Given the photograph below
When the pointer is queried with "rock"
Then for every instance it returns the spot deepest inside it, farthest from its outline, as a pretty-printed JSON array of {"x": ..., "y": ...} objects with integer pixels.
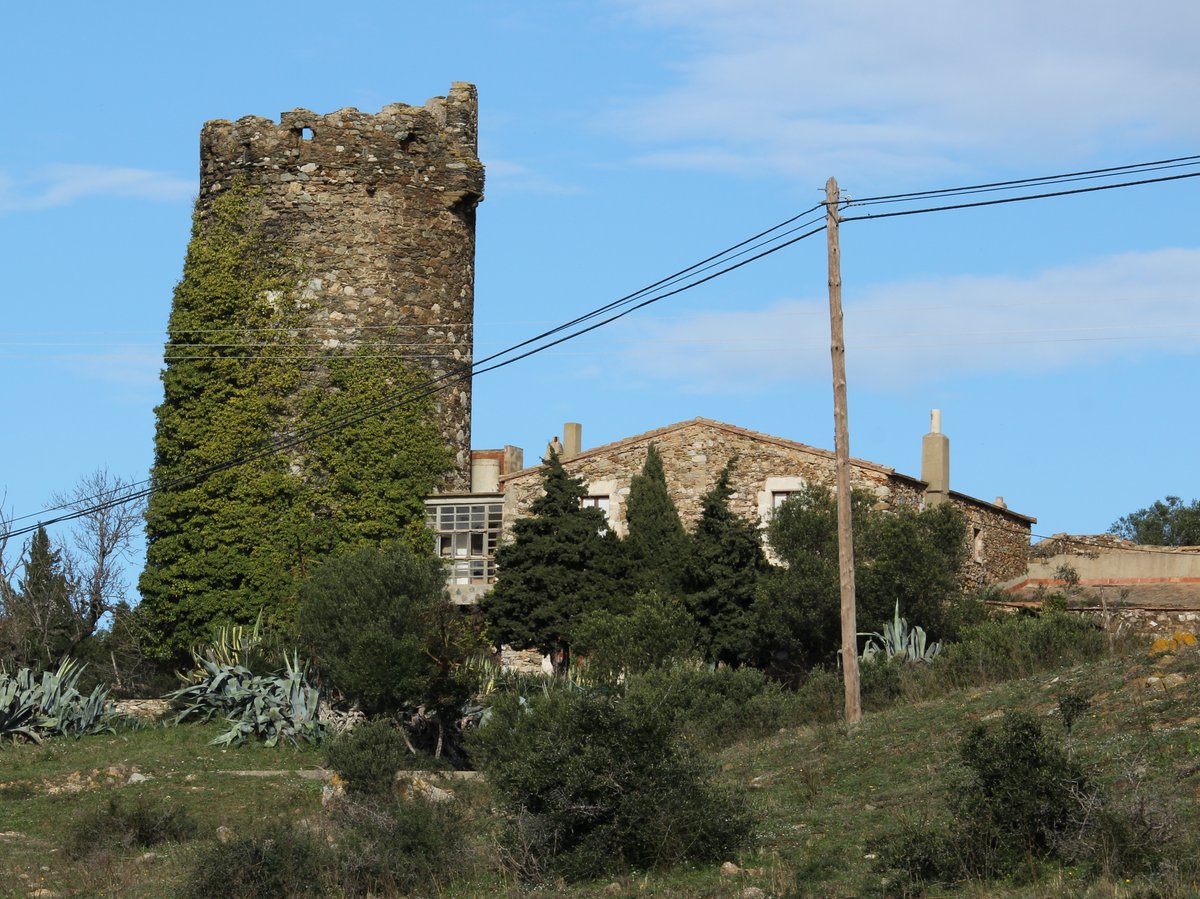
[
  {"x": 224, "y": 834},
  {"x": 612, "y": 889},
  {"x": 409, "y": 785},
  {"x": 146, "y": 858},
  {"x": 729, "y": 869},
  {"x": 43, "y": 893},
  {"x": 752, "y": 893},
  {"x": 331, "y": 793},
  {"x": 136, "y": 778},
  {"x": 1165, "y": 683}
]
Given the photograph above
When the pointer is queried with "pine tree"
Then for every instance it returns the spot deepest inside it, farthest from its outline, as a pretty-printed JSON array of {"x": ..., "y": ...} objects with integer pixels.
[
  {"x": 721, "y": 576},
  {"x": 656, "y": 543},
  {"x": 563, "y": 562}
]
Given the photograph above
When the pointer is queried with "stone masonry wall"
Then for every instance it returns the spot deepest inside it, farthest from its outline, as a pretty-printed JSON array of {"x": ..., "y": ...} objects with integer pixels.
[
  {"x": 998, "y": 544},
  {"x": 693, "y": 458},
  {"x": 694, "y": 454},
  {"x": 380, "y": 211}
]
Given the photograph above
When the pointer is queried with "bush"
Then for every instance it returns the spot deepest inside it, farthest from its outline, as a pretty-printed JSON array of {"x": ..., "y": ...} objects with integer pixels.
[
  {"x": 123, "y": 824},
  {"x": 395, "y": 847},
  {"x": 1019, "y": 799},
  {"x": 1020, "y": 787},
  {"x": 595, "y": 784},
  {"x": 278, "y": 861},
  {"x": 719, "y": 705},
  {"x": 368, "y": 757},
  {"x": 656, "y": 633},
  {"x": 365, "y": 615},
  {"x": 1014, "y": 646}
]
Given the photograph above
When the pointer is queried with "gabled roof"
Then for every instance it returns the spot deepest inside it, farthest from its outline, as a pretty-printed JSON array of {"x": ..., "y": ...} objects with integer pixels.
[
  {"x": 759, "y": 436},
  {"x": 650, "y": 436}
]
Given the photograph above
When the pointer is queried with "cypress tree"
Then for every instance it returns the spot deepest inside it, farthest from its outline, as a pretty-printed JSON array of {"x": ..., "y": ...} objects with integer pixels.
[
  {"x": 43, "y": 614},
  {"x": 656, "y": 543},
  {"x": 721, "y": 576},
  {"x": 561, "y": 563}
]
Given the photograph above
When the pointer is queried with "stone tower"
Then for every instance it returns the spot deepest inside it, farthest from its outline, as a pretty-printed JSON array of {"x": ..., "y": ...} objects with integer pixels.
[{"x": 380, "y": 211}]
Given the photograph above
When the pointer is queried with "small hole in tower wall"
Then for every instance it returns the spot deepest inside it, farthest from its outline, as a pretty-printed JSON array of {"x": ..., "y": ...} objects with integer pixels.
[{"x": 303, "y": 133}]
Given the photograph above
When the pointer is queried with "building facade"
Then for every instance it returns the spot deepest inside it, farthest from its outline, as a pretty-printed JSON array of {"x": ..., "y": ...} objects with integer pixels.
[{"x": 768, "y": 470}]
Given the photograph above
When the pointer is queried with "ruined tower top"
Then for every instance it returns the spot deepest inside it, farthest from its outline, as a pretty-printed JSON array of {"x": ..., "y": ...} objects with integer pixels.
[
  {"x": 432, "y": 146},
  {"x": 379, "y": 209}
]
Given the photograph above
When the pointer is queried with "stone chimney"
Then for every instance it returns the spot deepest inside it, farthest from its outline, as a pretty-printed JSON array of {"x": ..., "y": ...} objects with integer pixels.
[
  {"x": 935, "y": 461},
  {"x": 572, "y": 439}
]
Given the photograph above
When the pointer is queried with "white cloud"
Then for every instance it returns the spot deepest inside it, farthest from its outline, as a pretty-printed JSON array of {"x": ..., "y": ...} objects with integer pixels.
[
  {"x": 805, "y": 87},
  {"x": 62, "y": 185},
  {"x": 916, "y": 331},
  {"x": 506, "y": 175}
]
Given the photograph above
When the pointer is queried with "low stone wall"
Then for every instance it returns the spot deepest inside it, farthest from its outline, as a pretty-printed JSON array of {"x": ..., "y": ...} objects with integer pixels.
[{"x": 1105, "y": 559}]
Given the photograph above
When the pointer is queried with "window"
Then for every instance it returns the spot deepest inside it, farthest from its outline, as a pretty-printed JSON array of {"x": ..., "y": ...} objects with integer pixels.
[
  {"x": 465, "y": 535},
  {"x": 977, "y": 544},
  {"x": 779, "y": 496},
  {"x": 596, "y": 502}
]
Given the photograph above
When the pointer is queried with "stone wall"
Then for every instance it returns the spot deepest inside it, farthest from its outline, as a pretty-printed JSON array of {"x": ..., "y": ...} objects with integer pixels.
[
  {"x": 1106, "y": 559},
  {"x": 695, "y": 452},
  {"x": 380, "y": 211},
  {"x": 997, "y": 543}
]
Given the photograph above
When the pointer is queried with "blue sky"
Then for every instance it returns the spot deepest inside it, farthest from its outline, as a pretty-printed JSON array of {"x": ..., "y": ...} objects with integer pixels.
[{"x": 625, "y": 139}]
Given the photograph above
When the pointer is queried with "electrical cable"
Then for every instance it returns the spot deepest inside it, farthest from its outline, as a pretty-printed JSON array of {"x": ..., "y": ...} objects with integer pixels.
[{"x": 437, "y": 383}]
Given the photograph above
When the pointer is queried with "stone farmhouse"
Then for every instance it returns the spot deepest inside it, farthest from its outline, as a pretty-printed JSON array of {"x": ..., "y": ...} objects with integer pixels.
[{"x": 468, "y": 527}]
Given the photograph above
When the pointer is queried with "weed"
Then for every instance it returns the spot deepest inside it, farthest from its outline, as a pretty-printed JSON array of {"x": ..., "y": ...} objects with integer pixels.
[
  {"x": 389, "y": 847},
  {"x": 277, "y": 861},
  {"x": 123, "y": 824}
]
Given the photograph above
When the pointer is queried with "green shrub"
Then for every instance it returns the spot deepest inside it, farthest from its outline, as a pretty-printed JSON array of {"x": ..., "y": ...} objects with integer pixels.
[
  {"x": 595, "y": 784},
  {"x": 369, "y": 756},
  {"x": 719, "y": 705},
  {"x": 1018, "y": 800},
  {"x": 278, "y": 861},
  {"x": 394, "y": 847},
  {"x": 1021, "y": 785},
  {"x": 1014, "y": 646},
  {"x": 365, "y": 616},
  {"x": 656, "y": 633},
  {"x": 122, "y": 824}
]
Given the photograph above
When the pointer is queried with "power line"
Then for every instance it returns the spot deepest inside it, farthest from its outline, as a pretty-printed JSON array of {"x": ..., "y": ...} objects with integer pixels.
[
  {"x": 632, "y": 302},
  {"x": 1111, "y": 171},
  {"x": 997, "y": 202},
  {"x": 647, "y": 296}
]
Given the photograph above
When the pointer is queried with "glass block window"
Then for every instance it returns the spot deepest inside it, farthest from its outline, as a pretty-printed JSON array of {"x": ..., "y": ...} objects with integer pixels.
[{"x": 465, "y": 533}]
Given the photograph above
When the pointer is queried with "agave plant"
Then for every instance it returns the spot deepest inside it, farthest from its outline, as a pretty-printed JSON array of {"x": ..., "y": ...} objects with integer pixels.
[
  {"x": 232, "y": 645},
  {"x": 33, "y": 708},
  {"x": 898, "y": 640},
  {"x": 273, "y": 707}
]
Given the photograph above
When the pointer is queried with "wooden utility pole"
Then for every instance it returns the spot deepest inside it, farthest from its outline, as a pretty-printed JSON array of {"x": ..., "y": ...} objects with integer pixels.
[{"x": 842, "y": 452}]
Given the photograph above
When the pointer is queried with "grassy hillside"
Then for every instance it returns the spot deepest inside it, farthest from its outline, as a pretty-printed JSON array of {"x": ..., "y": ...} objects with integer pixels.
[{"x": 826, "y": 797}]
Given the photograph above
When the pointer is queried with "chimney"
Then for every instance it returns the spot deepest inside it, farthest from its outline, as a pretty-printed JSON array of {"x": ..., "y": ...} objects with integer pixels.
[
  {"x": 485, "y": 474},
  {"x": 572, "y": 439},
  {"x": 935, "y": 461}
]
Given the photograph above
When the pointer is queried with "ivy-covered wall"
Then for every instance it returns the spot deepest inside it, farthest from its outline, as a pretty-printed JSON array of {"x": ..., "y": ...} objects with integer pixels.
[{"x": 241, "y": 374}]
